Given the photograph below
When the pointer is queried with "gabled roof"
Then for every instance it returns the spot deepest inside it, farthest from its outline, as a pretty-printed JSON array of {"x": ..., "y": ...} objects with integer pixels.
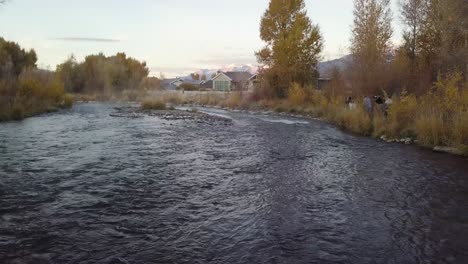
[
  {"x": 253, "y": 77},
  {"x": 221, "y": 73},
  {"x": 238, "y": 76}
]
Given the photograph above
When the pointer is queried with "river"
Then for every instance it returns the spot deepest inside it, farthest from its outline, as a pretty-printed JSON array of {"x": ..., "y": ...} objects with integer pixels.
[{"x": 80, "y": 186}]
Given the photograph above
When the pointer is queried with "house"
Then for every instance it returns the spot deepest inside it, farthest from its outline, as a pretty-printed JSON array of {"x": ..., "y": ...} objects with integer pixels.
[
  {"x": 207, "y": 84},
  {"x": 253, "y": 82},
  {"x": 174, "y": 84},
  {"x": 170, "y": 84},
  {"x": 177, "y": 82},
  {"x": 229, "y": 81}
]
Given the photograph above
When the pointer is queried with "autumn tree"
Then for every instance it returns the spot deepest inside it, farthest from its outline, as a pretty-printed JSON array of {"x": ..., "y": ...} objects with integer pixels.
[
  {"x": 370, "y": 43},
  {"x": 414, "y": 16},
  {"x": 293, "y": 45},
  {"x": 436, "y": 36},
  {"x": 99, "y": 73},
  {"x": 195, "y": 76},
  {"x": 13, "y": 58},
  {"x": 449, "y": 18}
]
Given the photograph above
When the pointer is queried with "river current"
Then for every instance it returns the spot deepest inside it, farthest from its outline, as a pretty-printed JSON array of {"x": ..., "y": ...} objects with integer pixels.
[{"x": 80, "y": 186}]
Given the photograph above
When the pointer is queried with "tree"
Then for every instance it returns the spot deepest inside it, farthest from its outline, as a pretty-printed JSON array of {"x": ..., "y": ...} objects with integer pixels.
[
  {"x": 195, "y": 76},
  {"x": 444, "y": 37},
  {"x": 293, "y": 45},
  {"x": 370, "y": 43},
  {"x": 13, "y": 58},
  {"x": 413, "y": 14},
  {"x": 71, "y": 75},
  {"x": 99, "y": 73}
]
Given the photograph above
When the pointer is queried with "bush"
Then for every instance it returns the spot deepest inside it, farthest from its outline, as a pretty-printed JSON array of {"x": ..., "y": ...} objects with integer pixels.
[
  {"x": 443, "y": 115},
  {"x": 153, "y": 104},
  {"x": 296, "y": 95},
  {"x": 430, "y": 129},
  {"x": 460, "y": 130},
  {"x": 355, "y": 120},
  {"x": 401, "y": 114}
]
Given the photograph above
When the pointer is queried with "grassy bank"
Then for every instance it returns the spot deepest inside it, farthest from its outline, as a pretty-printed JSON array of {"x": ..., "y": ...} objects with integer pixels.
[{"x": 439, "y": 118}]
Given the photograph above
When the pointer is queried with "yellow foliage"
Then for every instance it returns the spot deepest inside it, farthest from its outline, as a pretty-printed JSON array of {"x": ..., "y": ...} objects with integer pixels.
[
  {"x": 296, "y": 95},
  {"x": 430, "y": 129},
  {"x": 355, "y": 120},
  {"x": 401, "y": 116}
]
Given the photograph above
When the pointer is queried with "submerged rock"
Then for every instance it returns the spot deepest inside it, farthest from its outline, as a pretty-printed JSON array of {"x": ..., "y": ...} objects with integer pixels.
[{"x": 171, "y": 115}]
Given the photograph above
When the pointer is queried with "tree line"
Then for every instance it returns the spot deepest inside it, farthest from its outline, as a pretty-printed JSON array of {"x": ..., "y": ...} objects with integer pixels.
[
  {"x": 420, "y": 86},
  {"x": 435, "y": 41},
  {"x": 26, "y": 90},
  {"x": 102, "y": 74}
]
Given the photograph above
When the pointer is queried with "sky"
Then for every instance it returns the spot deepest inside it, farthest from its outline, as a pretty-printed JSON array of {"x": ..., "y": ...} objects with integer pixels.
[{"x": 174, "y": 37}]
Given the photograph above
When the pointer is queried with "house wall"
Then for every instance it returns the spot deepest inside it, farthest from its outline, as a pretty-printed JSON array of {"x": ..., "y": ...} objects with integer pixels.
[{"x": 217, "y": 83}]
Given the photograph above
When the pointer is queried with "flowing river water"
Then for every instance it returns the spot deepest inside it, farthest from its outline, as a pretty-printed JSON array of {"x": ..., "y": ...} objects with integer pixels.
[{"x": 80, "y": 186}]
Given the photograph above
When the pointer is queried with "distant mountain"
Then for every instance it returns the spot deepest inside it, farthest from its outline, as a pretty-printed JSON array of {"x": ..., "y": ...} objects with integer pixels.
[
  {"x": 227, "y": 68},
  {"x": 325, "y": 68}
]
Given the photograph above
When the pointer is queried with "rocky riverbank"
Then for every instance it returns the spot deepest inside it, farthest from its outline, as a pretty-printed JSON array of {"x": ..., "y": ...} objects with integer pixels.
[{"x": 170, "y": 115}]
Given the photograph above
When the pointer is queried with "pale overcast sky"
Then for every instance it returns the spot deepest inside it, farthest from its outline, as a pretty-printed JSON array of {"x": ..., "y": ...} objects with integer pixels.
[{"x": 173, "y": 36}]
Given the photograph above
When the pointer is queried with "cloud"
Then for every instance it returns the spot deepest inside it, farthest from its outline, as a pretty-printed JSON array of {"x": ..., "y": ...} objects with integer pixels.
[{"x": 81, "y": 39}]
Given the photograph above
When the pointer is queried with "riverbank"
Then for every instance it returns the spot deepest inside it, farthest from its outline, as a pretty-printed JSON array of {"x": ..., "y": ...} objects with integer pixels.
[{"x": 428, "y": 121}]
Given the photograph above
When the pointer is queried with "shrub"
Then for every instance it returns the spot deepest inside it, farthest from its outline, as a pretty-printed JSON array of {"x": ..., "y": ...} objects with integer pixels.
[
  {"x": 379, "y": 125},
  {"x": 429, "y": 128},
  {"x": 460, "y": 129},
  {"x": 153, "y": 104},
  {"x": 355, "y": 120},
  {"x": 296, "y": 95},
  {"x": 400, "y": 121}
]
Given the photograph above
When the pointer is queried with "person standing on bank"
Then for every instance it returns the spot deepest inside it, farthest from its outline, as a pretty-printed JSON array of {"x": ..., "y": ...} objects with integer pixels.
[{"x": 368, "y": 104}]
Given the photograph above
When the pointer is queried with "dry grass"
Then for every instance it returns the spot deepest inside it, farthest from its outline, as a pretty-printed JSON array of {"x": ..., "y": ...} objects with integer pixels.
[{"x": 153, "y": 104}]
